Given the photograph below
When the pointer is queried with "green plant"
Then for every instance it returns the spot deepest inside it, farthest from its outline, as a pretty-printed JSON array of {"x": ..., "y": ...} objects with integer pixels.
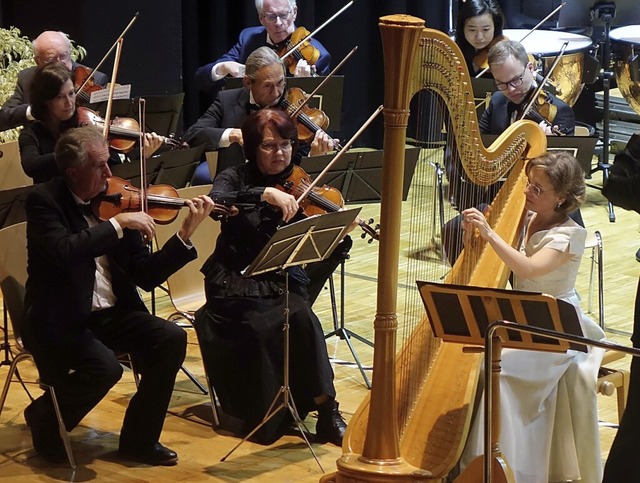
[{"x": 16, "y": 54}]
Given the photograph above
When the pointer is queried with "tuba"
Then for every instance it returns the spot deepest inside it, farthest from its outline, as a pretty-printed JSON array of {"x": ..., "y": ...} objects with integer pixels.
[{"x": 413, "y": 425}]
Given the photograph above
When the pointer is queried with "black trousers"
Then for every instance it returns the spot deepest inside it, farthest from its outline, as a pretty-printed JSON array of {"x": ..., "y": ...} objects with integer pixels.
[
  {"x": 622, "y": 466},
  {"x": 83, "y": 370}
]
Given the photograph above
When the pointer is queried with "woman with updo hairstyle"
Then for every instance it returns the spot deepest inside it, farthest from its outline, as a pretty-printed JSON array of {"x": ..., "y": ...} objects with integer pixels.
[{"x": 549, "y": 411}]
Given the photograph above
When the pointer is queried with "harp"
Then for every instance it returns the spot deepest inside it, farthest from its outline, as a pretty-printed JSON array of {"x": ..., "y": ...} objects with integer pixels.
[{"x": 413, "y": 425}]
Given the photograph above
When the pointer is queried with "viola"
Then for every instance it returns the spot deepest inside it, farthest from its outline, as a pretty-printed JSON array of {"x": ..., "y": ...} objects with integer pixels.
[
  {"x": 163, "y": 202},
  {"x": 305, "y": 51},
  {"x": 480, "y": 61},
  {"x": 80, "y": 76},
  {"x": 309, "y": 120},
  {"x": 543, "y": 109},
  {"x": 123, "y": 131},
  {"x": 325, "y": 199}
]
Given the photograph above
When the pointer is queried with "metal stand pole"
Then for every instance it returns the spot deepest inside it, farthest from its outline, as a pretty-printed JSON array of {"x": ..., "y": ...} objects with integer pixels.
[
  {"x": 284, "y": 391},
  {"x": 339, "y": 328},
  {"x": 6, "y": 346}
]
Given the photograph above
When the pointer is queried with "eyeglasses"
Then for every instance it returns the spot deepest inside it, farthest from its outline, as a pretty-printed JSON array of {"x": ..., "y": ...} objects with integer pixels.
[
  {"x": 273, "y": 17},
  {"x": 515, "y": 82},
  {"x": 535, "y": 189},
  {"x": 58, "y": 58},
  {"x": 273, "y": 147}
]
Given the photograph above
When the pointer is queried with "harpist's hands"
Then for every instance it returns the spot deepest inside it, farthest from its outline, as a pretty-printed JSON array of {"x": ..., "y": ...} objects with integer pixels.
[
  {"x": 472, "y": 218},
  {"x": 284, "y": 201}
]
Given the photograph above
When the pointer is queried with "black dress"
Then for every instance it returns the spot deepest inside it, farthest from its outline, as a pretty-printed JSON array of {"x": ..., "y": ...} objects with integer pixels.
[{"x": 240, "y": 328}]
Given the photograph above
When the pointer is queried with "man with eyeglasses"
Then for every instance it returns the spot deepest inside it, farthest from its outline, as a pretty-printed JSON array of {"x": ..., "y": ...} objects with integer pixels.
[
  {"x": 515, "y": 80},
  {"x": 48, "y": 47},
  {"x": 278, "y": 23},
  {"x": 264, "y": 86}
]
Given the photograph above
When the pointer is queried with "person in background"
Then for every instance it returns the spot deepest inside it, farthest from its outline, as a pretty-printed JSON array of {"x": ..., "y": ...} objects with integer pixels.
[
  {"x": 549, "y": 411},
  {"x": 82, "y": 305},
  {"x": 240, "y": 327},
  {"x": 48, "y": 47},
  {"x": 278, "y": 23}
]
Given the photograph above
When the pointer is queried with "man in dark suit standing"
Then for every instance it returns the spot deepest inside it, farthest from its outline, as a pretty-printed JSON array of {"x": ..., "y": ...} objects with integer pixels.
[
  {"x": 48, "y": 47},
  {"x": 264, "y": 86},
  {"x": 278, "y": 23},
  {"x": 81, "y": 303}
]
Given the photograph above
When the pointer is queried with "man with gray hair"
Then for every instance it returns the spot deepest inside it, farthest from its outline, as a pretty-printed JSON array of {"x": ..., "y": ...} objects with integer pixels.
[
  {"x": 264, "y": 86},
  {"x": 48, "y": 47},
  {"x": 278, "y": 23}
]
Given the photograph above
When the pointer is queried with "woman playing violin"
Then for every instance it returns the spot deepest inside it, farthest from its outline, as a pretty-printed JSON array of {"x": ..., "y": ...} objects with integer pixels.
[
  {"x": 479, "y": 26},
  {"x": 53, "y": 104},
  {"x": 243, "y": 320}
]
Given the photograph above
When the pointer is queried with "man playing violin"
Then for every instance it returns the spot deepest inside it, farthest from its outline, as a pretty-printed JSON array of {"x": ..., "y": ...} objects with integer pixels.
[
  {"x": 240, "y": 329},
  {"x": 264, "y": 86},
  {"x": 82, "y": 305},
  {"x": 48, "y": 47},
  {"x": 278, "y": 23}
]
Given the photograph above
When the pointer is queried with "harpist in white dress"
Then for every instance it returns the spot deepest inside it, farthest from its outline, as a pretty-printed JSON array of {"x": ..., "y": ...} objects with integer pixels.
[{"x": 549, "y": 424}]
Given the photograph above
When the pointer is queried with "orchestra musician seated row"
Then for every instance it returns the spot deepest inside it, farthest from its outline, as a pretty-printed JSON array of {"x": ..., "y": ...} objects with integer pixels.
[
  {"x": 48, "y": 47},
  {"x": 278, "y": 23},
  {"x": 240, "y": 328},
  {"x": 53, "y": 105},
  {"x": 264, "y": 86}
]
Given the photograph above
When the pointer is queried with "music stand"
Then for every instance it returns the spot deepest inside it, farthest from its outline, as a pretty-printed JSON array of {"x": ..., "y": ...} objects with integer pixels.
[
  {"x": 307, "y": 241},
  {"x": 463, "y": 314}
]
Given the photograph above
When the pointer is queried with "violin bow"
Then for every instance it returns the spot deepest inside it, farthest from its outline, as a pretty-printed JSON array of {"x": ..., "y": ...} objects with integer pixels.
[
  {"x": 311, "y": 34},
  {"x": 112, "y": 86},
  {"x": 530, "y": 32},
  {"x": 544, "y": 81},
  {"x": 142, "y": 104},
  {"x": 337, "y": 156},
  {"x": 107, "y": 54},
  {"x": 324, "y": 81}
]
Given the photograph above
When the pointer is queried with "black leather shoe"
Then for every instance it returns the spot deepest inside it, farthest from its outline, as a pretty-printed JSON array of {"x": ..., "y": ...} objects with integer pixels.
[
  {"x": 45, "y": 435},
  {"x": 330, "y": 426},
  {"x": 155, "y": 455}
]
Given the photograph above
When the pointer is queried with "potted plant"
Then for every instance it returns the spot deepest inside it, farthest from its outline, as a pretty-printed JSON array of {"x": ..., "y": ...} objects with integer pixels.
[{"x": 16, "y": 54}]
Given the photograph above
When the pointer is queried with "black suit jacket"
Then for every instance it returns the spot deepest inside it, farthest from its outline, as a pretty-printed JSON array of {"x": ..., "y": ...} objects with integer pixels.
[
  {"x": 61, "y": 266},
  {"x": 496, "y": 118},
  {"x": 14, "y": 110}
]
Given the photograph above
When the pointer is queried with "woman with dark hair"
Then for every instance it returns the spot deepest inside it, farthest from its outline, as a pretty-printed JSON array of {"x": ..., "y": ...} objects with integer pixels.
[
  {"x": 549, "y": 416},
  {"x": 240, "y": 328},
  {"x": 480, "y": 22},
  {"x": 53, "y": 104}
]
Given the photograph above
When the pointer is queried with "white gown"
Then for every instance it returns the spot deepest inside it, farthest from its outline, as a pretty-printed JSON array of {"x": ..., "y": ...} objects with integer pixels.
[{"x": 548, "y": 401}]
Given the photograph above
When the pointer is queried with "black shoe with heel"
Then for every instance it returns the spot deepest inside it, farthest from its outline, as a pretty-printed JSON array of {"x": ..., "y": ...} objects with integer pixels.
[{"x": 330, "y": 426}]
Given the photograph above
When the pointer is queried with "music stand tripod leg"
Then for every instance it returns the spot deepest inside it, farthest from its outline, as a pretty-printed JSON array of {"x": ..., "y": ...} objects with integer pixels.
[
  {"x": 339, "y": 327},
  {"x": 6, "y": 346},
  {"x": 284, "y": 391}
]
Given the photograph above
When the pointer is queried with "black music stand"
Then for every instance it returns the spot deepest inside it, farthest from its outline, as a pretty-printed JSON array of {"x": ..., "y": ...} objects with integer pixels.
[
  {"x": 307, "y": 241},
  {"x": 464, "y": 314},
  {"x": 177, "y": 166}
]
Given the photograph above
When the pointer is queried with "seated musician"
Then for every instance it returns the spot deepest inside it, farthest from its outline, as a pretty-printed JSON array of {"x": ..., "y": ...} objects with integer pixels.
[
  {"x": 264, "y": 86},
  {"x": 549, "y": 420},
  {"x": 48, "y": 47},
  {"x": 81, "y": 303},
  {"x": 53, "y": 105},
  {"x": 278, "y": 23},
  {"x": 514, "y": 77},
  {"x": 240, "y": 327}
]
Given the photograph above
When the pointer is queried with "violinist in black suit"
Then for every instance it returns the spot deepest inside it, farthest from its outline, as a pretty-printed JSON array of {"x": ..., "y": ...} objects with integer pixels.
[
  {"x": 48, "y": 47},
  {"x": 264, "y": 86},
  {"x": 81, "y": 303}
]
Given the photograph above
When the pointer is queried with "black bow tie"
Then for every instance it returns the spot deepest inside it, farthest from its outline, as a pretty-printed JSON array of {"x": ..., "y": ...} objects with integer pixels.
[
  {"x": 85, "y": 209},
  {"x": 253, "y": 107}
]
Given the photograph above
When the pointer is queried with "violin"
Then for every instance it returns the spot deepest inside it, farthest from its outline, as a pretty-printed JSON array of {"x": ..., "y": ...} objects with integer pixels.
[
  {"x": 309, "y": 120},
  {"x": 80, "y": 76},
  {"x": 325, "y": 199},
  {"x": 481, "y": 59},
  {"x": 543, "y": 109},
  {"x": 163, "y": 202},
  {"x": 305, "y": 51},
  {"x": 123, "y": 131}
]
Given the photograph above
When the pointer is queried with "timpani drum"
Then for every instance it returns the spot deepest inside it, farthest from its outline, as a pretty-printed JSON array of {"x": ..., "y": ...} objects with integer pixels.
[
  {"x": 544, "y": 45},
  {"x": 625, "y": 45}
]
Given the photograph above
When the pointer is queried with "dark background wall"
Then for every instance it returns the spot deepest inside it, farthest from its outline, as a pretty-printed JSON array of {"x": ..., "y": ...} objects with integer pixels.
[{"x": 171, "y": 38}]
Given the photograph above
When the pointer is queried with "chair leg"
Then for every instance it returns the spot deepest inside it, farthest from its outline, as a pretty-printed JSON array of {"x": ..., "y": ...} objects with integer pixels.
[
  {"x": 13, "y": 369},
  {"x": 64, "y": 435}
]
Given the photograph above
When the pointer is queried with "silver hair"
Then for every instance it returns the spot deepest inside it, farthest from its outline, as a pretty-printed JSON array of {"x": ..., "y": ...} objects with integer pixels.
[
  {"x": 35, "y": 41},
  {"x": 259, "y": 58},
  {"x": 260, "y": 5}
]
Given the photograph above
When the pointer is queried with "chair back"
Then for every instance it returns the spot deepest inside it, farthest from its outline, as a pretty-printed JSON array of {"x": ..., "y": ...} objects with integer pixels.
[
  {"x": 13, "y": 272},
  {"x": 186, "y": 286},
  {"x": 11, "y": 173}
]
